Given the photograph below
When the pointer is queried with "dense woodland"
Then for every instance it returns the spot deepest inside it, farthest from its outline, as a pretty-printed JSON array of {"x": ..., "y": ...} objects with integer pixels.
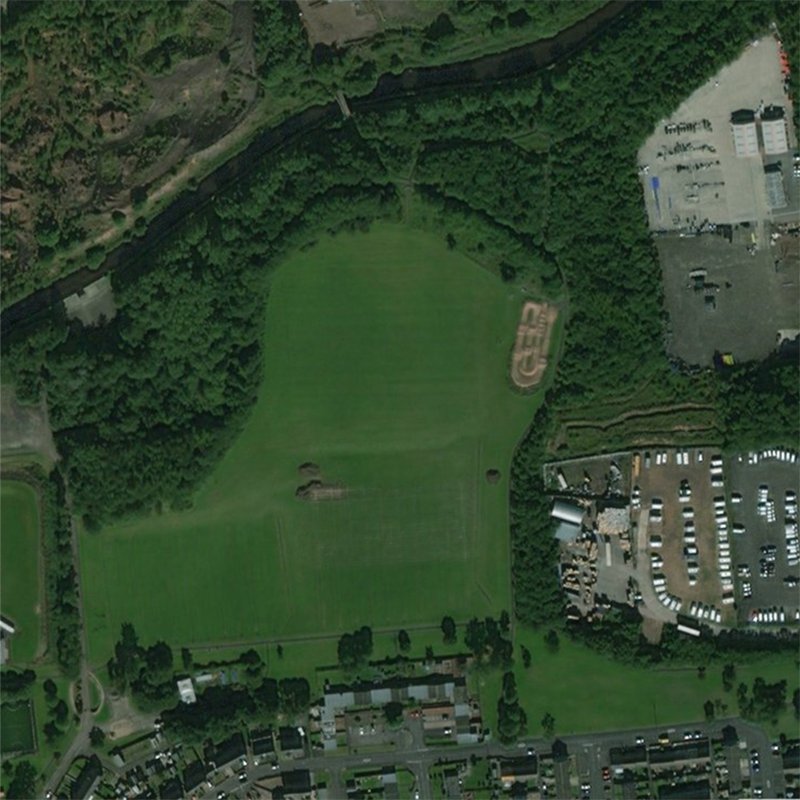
[
  {"x": 144, "y": 406},
  {"x": 149, "y": 674},
  {"x": 102, "y": 101}
]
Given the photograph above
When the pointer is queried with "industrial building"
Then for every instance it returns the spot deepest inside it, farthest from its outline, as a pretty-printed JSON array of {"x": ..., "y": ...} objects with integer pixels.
[
  {"x": 570, "y": 517},
  {"x": 773, "y": 131},
  {"x": 776, "y": 192},
  {"x": 567, "y": 512},
  {"x": 745, "y": 135}
]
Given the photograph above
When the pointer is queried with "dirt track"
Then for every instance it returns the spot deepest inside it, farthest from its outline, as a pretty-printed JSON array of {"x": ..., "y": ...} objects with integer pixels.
[{"x": 529, "y": 359}]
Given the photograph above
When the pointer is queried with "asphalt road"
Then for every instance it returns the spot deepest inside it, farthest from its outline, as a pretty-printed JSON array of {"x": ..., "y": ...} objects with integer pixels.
[{"x": 592, "y": 751}]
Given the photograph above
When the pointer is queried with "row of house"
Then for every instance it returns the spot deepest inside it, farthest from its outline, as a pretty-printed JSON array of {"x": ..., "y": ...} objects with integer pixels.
[{"x": 442, "y": 703}]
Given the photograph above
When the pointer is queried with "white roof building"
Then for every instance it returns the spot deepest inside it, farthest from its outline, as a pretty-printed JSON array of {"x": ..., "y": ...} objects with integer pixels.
[
  {"x": 6, "y": 626},
  {"x": 773, "y": 131},
  {"x": 745, "y": 136},
  {"x": 567, "y": 512},
  {"x": 186, "y": 691}
]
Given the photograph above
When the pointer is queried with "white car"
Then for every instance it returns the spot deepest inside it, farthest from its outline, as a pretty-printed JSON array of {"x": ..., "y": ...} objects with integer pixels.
[
  {"x": 688, "y": 512},
  {"x": 736, "y": 498}
]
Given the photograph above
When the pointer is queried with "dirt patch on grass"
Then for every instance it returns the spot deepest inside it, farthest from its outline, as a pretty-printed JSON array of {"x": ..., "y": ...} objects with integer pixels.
[
  {"x": 309, "y": 470},
  {"x": 492, "y": 475},
  {"x": 529, "y": 358},
  {"x": 25, "y": 428},
  {"x": 337, "y": 23},
  {"x": 125, "y": 720},
  {"x": 317, "y": 491}
]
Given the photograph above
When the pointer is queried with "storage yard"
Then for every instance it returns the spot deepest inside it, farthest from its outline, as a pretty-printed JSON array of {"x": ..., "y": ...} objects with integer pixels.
[
  {"x": 687, "y": 536},
  {"x": 721, "y": 185},
  {"x": 705, "y": 163}
]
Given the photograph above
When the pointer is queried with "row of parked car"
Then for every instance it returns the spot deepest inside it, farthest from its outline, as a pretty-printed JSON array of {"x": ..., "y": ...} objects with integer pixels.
[
  {"x": 690, "y": 552},
  {"x": 790, "y": 528},
  {"x": 666, "y": 599},
  {"x": 772, "y": 454},
  {"x": 662, "y": 458},
  {"x": 703, "y": 611},
  {"x": 774, "y": 615},
  {"x": 717, "y": 478},
  {"x": 765, "y": 505},
  {"x": 724, "y": 558}
]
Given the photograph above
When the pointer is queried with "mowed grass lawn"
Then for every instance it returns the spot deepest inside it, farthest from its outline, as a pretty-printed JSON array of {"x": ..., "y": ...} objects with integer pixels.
[
  {"x": 386, "y": 363},
  {"x": 19, "y": 566},
  {"x": 586, "y": 691}
]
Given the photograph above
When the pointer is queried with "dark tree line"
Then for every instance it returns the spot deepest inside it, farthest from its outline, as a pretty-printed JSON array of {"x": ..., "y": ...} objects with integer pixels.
[
  {"x": 15, "y": 681},
  {"x": 61, "y": 581},
  {"x": 618, "y": 634},
  {"x": 511, "y": 718},
  {"x": 354, "y": 649},
  {"x": 487, "y": 639},
  {"x": 765, "y": 701}
]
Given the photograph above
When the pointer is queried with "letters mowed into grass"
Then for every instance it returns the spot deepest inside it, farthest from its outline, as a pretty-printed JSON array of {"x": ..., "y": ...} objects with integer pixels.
[{"x": 385, "y": 363}]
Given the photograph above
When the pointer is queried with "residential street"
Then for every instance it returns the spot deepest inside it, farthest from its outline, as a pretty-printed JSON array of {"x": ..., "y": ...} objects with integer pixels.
[{"x": 592, "y": 753}]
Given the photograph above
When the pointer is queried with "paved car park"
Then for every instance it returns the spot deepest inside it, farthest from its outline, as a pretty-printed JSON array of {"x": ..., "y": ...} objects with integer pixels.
[
  {"x": 768, "y": 530},
  {"x": 740, "y": 303},
  {"x": 676, "y": 492}
]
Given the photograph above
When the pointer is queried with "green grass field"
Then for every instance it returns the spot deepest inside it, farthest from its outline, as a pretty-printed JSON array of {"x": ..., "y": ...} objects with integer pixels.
[
  {"x": 386, "y": 361},
  {"x": 16, "y": 727},
  {"x": 19, "y": 566},
  {"x": 586, "y": 691}
]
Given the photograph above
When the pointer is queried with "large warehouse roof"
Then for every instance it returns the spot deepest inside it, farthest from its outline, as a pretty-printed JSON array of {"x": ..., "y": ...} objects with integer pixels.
[
  {"x": 567, "y": 512},
  {"x": 776, "y": 194},
  {"x": 773, "y": 130},
  {"x": 745, "y": 137}
]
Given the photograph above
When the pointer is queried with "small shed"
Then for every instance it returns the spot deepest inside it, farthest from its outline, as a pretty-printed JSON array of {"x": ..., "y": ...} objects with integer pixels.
[{"x": 186, "y": 691}]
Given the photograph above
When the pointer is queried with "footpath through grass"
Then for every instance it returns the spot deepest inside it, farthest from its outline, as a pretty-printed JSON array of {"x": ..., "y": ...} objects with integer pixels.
[
  {"x": 19, "y": 566},
  {"x": 586, "y": 691},
  {"x": 385, "y": 363}
]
